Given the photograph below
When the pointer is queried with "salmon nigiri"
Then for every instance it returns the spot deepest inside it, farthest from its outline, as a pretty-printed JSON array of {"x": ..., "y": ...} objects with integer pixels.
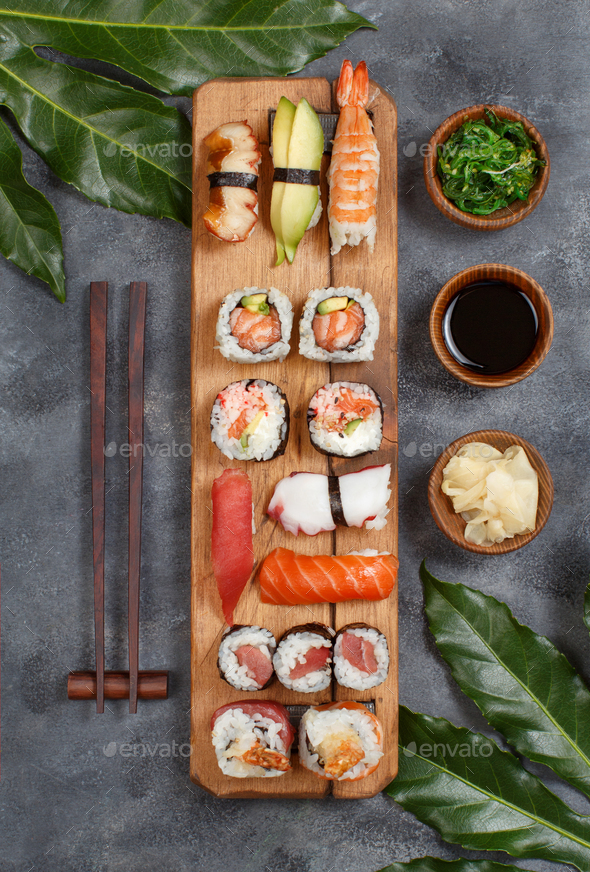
[
  {"x": 287, "y": 578},
  {"x": 231, "y": 537}
]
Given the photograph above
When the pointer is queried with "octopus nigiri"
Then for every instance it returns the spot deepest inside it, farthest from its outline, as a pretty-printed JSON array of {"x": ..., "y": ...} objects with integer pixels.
[
  {"x": 353, "y": 174},
  {"x": 232, "y": 170}
]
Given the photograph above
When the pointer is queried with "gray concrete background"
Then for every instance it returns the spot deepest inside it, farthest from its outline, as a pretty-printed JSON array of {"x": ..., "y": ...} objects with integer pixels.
[{"x": 66, "y": 805}]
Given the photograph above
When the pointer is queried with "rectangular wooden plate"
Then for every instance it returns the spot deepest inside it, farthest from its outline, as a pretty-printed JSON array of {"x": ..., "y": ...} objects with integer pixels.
[{"x": 217, "y": 269}]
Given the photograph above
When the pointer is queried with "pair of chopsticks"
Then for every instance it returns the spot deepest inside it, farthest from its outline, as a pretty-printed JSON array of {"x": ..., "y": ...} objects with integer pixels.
[{"x": 98, "y": 334}]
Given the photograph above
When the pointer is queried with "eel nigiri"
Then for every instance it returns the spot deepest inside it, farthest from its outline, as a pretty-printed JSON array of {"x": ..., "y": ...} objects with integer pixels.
[
  {"x": 231, "y": 537},
  {"x": 311, "y": 502},
  {"x": 232, "y": 170},
  {"x": 293, "y": 579}
]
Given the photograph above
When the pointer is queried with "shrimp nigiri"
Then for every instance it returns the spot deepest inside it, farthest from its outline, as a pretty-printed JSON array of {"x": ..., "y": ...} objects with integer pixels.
[{"x": 354, "y": 169}]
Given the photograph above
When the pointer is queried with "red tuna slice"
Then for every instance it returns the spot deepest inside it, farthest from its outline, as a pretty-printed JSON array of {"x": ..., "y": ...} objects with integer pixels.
[
  {"x": 231, "y": 537},
  {"x": 360, "y": 653},
  {"x": 315, "y": 659},
  {"x": 259, "y": 666}
]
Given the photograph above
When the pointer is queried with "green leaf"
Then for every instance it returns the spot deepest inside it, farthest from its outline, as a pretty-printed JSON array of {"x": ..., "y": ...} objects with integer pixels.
[
  {"x": 432, "y": 864},
  {"x": 118, "y": 146},
  {"x": 475, "y": 794},
  {"x": 587, "y": 607},
  {"x": 30, "y": 235},
  {"x": 521, "y": 683},
  {"x": 177, "y": 45}
]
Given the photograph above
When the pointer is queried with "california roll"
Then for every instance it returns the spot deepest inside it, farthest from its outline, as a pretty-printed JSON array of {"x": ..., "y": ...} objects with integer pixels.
[
  {"x": 250, "y": 420},
  {"x": 345, "y": 419}
]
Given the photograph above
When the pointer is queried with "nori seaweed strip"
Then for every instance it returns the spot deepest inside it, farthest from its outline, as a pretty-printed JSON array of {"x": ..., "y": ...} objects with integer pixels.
[
  {"x": 336, "y": 501},
  {"x": 233, "y": 180},
  {"x": 296, "y": 176},
  {"x": 311, "y": 627}
]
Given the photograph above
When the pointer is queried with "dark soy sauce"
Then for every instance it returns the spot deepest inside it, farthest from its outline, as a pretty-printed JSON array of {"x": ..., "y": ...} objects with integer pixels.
[{"x": 490, "y": 327}]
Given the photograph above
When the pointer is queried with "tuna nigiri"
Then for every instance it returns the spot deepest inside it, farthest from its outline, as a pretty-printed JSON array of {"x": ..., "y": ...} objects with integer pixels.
[
  {"x": 231, "y": 537},
  {"x": 287, "y": 578}
]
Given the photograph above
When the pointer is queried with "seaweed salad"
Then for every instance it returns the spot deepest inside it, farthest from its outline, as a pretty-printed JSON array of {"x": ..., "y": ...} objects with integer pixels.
[{"x": 488, "y": 164}]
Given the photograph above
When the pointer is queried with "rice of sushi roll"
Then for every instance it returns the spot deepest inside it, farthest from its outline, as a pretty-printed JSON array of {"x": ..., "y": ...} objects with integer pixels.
[
  {"x": 345, "y": 419},
  {"x": 361, "y": 657},
  {"x": 254, "y": 325},
  {"x": 245, "y": 657},
  {"x": 252, "y": 738},
  {"x": 339, "y": 325},
  {"x": 342, "y": 741},
  {"x": 303, "y": 659},
  {"x": 250, "y": 420}
]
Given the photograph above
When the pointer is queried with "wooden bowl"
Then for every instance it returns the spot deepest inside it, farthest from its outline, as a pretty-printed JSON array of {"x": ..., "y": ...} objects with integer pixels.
[
  {"x": 453, "y": 525},
  {"x": 524, "y": 283},
  {"x": 501, "y": 218}
]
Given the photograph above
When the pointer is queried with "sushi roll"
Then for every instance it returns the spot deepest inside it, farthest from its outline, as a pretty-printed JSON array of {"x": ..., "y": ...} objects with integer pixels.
[
  {"x": 252, "y": 739},
  {"x": 361, "y": 657},
  {"x": 311, "y": 503},
  {"x": 245, "y": 657},
  {"x": 303, "y": 659},
  {"x": 342, "y": 741},
  {"x": 345, "y": 419},
  {"x": 254, "y": 325},
  {"x": 250, "y": 420},
  {"x": 339, "y": 325}
]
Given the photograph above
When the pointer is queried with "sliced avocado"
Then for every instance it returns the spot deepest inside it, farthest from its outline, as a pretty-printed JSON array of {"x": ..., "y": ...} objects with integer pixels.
[
  {"x": 251, "y": 428},
  {"x": 281, "y": 134},
  {"x": 256, "y": 303},
  {"x": 351, "y": 302},
  {"x": 332, "y": 304},
  {"x": 351, "y": 426},
  {"x": 253, "y": 300},
  {"x": 299, "y": 202}
]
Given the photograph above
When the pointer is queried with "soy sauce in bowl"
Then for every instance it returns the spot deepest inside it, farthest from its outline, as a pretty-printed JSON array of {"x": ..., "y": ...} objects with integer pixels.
[{"x": 490, "y": 327}]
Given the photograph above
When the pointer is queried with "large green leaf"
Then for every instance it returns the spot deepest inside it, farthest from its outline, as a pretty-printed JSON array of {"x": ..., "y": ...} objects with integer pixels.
[
  {"x": 178, "y": 44},
  {"x": 522, "y": 684},
  {"x": 118, "y": 146},
  {"x": 475, "y": 794},
  {"x": 29, "y": 228},
  {"x": 432, "y": 864}
]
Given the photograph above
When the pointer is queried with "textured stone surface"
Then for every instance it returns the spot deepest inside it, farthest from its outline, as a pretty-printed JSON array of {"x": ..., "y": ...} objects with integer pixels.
[{"x": 70, "y": 798}]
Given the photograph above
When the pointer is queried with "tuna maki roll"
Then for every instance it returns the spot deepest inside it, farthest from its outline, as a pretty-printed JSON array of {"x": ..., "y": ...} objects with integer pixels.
[
  {"x": 361, "y": 657},
  {"x": 252, "y": 738},
  {"x": 339, "y": 325},
  {"x": 341, "y": 741},
  {"x": 254, "y": 325},
  {"x": 245, "y": 657},
  {"x": 303, "y": 659},
  {"x": 345, "y": 419},
  {"x": 250, "y": 420}
]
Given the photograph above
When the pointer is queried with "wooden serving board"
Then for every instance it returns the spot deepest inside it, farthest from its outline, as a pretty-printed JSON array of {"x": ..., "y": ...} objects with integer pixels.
[{"x": 217, "y": 269}]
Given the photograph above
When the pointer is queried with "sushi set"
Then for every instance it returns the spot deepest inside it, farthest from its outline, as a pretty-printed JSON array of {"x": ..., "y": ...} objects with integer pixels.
[{"x": 294, "y": 674}]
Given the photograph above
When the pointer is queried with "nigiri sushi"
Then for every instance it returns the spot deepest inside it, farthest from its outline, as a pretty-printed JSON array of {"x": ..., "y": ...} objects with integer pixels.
[
  {"x": 293, "y": 579},
  {"x": 231, "y": 537},
  {"x": 311, "y": 503},
  {"x": 232, "y": 170},
  {"x": 353, "y": 174}
]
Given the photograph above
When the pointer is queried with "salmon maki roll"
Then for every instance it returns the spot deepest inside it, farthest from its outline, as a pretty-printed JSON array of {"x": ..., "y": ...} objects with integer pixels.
[
  {"x": 254, "y": 325},
  {"x": 338, "y": 325},
  {"x": 342, "y": 741},
  {"x": 293, "y": 579}
]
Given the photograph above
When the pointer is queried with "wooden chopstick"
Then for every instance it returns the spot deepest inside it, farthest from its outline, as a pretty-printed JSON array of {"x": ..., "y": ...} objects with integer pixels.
[
  {"x": 98, "y": 346},
  {"x": 137, "y": 301}
]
